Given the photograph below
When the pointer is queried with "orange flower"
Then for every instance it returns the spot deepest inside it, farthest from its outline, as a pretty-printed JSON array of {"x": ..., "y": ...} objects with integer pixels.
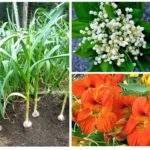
[
  {"x": 111, "y": 79},
  {"x": 116, "y": 79},
  {"x": 76, "y": 106},
  {"x": 138, "y": 125},
  {"x": 96, "y": 112},
  {"x": 97, "y": 80},
  {"x": 122, "y": 105},
  {"x": 89, "y": 81}
]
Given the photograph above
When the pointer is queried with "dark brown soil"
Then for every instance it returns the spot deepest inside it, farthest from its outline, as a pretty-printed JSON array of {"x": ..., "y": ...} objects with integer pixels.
[{"x": 46, "y": 129}]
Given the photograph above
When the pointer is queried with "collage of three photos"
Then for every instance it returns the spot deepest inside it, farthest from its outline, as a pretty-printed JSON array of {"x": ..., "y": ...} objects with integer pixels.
[{"x": 74, "y": 74}]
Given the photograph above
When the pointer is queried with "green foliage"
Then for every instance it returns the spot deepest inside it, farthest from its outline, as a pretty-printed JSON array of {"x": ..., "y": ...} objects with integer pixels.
[
  {"x": 109, "y": 11},
  {"x": 82, "y": 10},
  {"x": 77, "y": 26},
  {"x": 134, "y": 89},
  {"x": 34, "y": 56},
  {"x": 85, "y": 50}
]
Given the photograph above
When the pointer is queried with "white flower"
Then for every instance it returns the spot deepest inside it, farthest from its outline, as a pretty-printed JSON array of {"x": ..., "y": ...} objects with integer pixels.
[
  {"x": 119, "y": 12},
  {"x": 95, "y": 63},
  {"x": 130, "y": 10},
  {"x": 129, "y": 16},
  {"x": 91, "y": 12},
  {"x": 86, "y": 28},
  {"x": 127, "y": 9},
  {"x": 102, "y": 25},
  {"x": 105, "y": 15},
  {"x": 112, "y": 35},
  {"x": 114, "y": 5}
]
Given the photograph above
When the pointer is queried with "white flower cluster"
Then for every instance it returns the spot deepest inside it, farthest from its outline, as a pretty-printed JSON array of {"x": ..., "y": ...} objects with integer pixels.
[{"x": 111, "y": 37}]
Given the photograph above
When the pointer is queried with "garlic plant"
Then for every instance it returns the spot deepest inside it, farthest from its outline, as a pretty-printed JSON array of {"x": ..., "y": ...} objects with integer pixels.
[
  {"x": 61, "y": 115},
  {"x": 1, "y": 128},
  {"x": 31, "y": 55},
  {"x": 110, "y": 35}
]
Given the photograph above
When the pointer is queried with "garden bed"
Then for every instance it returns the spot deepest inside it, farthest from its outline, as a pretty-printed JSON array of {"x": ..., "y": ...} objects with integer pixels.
[{"x": 46, "y": 130}]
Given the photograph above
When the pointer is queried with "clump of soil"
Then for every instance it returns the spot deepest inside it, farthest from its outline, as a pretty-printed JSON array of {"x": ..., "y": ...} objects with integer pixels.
[{"x": 46, "y": 129}]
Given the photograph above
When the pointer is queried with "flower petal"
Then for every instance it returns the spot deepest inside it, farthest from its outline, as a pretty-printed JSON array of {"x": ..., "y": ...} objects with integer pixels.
[
  {"x": 140, "y": 107},
  {"x": 117, "y": 79},
  {"x": 83, "y": 114},
  {"x": 88, "y": 125},
  {"x": 79, "y": 87},
  {"x": 139, "y": 138},
  {"x": 88, "y": 99},
  {"x": 93, "y": 80},
  {"x": 131, "y": 124},
  {"x": 106, "y": 122}
]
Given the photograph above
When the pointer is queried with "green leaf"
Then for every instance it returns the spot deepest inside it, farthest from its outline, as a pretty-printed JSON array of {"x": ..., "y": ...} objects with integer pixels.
[
  {"x": 134, "y": 87},
  {"x": 146, "y": 26},
  {"x": 140, "y": 65},
  {"x": 10, "y": 95},
  {"x": 6, "y": 79},
  {"x": 110, "y": 11},
  {"x": 3, "y": 41},
  {"x": 56, "y": 84},
  {"x": 148, "y": 45},
  {"x": 137, "y": 13},
  {"x": 98, "y": 137},
  {"x": 85, "y": 50},
  {"x": 134, "y": 5},
  {"x": 128, "y": 64},
  {"x": 42, "y": 60},
  {"x": 145, "y": 62},
  {"x": 106, "y": 67},
  {"x": 82, "y": 10},
  {"x": 146, "y": 50},
  {"x": 15, "y": 62},
  {"x": 94, "y": 68},
  {"x": 103, "y": 67},
  {"x": 134, "y": 93},
  {"x": 52, "y": 51},
  {"x": 77, "y": 26}
]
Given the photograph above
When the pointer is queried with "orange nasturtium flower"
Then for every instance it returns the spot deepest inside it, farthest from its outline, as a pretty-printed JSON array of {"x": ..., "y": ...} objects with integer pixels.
[
  {"x": 97, "y": 80},
  {"x": 89, "y": 81},
  {"x": 96, "y": 111},
  {"x": 116, "y": 79},
  {"x": 112, "y": 82},
  {"x": 138, "y": 125},
  {"x": 122, "y": 105}
]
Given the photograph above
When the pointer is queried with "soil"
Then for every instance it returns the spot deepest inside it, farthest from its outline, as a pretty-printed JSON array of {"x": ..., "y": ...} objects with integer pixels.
[{"x": 46, "y": 130}]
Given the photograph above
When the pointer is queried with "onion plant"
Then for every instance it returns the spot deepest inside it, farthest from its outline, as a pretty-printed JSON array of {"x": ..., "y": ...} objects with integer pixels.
[{"x": 30, "y": 55}]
